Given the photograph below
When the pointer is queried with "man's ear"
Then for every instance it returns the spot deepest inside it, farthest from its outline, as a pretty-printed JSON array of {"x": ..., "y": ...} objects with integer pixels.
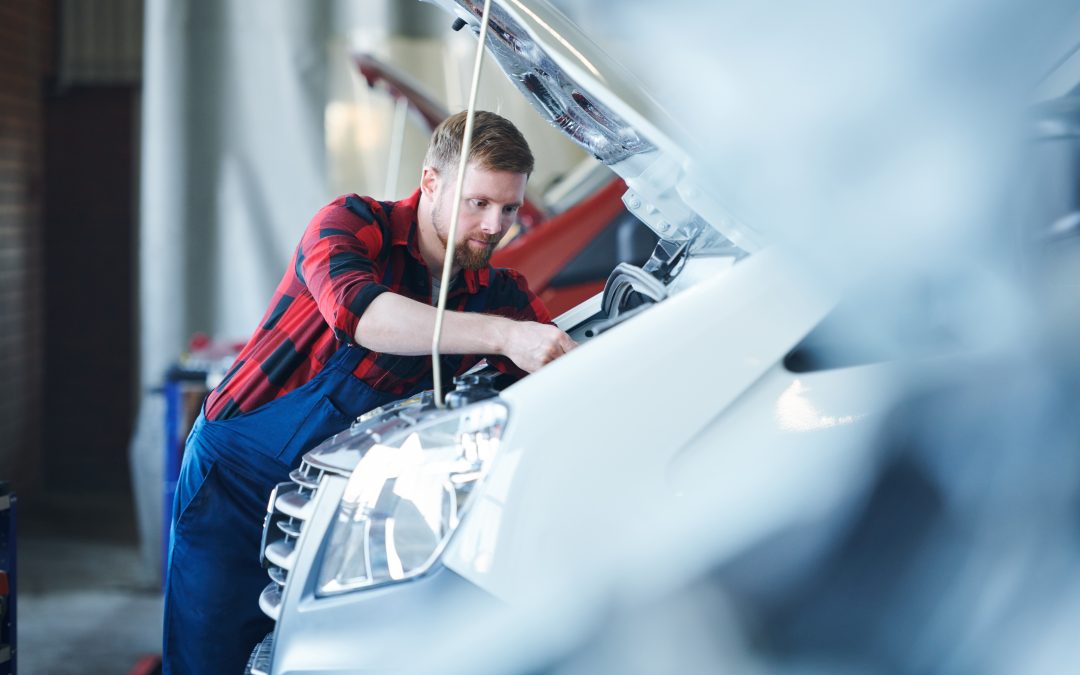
[{"x": 429, "y": 181}]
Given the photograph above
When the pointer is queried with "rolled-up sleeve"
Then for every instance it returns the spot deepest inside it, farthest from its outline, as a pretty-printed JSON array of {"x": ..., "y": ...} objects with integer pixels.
[{"x": 338, "y": 261}]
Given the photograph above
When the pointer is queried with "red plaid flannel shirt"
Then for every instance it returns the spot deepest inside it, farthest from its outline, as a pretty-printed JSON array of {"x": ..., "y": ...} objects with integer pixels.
[{"x": 335, "y": 273}]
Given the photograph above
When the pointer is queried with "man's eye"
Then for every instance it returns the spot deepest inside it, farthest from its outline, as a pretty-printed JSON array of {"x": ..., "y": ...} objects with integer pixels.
[
  {"x": 510, "y": 209},
  {"x": 479, "y": 203}
]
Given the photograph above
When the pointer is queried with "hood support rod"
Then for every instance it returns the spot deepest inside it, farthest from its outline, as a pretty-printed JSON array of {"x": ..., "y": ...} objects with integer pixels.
[{"x": 448, "y": 260}]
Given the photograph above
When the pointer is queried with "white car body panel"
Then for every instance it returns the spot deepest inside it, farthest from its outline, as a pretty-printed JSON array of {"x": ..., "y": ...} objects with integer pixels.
[{"x": 565, "y": 485}]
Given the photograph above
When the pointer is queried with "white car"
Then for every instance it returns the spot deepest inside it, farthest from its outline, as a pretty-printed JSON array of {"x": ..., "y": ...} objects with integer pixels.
[{"x": 710, "y": 361}]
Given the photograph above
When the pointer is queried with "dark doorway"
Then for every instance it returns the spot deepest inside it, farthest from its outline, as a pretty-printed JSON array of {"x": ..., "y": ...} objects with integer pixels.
[{"x": 88, "y": 252}]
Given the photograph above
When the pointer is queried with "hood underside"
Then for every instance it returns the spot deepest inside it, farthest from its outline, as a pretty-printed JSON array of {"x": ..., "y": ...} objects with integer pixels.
[{"x": 592, "y": 99}]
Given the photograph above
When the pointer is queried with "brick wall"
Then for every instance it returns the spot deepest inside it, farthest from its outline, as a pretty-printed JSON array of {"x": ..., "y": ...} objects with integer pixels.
[{"x": 25, "y": 59}]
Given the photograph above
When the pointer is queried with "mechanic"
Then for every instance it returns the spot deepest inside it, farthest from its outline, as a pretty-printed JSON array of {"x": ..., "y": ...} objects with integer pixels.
[{"x": 348, "y": 329}]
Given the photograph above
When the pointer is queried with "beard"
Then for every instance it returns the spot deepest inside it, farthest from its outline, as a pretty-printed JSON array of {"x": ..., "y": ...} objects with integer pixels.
[{"x": 465, "y": 256}]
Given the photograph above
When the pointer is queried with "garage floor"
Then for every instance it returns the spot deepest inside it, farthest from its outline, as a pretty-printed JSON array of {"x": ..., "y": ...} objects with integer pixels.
[{"x": 86, "y": 602}]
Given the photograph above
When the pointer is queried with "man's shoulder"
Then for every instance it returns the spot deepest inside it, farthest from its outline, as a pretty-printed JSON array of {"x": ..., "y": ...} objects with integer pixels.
[
  {"x": 357, "y": 212},
  {"x": 366, "y": 210},
  {"x": 353, "y": 214}
]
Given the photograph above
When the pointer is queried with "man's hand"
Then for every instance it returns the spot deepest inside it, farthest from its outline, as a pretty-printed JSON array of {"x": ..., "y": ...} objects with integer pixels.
[{"x": 532, "y": 345}]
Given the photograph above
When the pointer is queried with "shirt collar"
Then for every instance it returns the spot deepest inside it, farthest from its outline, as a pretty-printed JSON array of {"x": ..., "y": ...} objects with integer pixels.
[{"x": 404, "y": 231}]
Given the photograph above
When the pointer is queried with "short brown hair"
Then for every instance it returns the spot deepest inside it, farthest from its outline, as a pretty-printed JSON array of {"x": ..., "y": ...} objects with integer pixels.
[{"x": 497, "y": 145}]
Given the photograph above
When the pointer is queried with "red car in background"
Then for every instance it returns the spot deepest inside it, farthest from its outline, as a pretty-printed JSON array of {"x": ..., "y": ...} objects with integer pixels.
[{"x": 565, "y": 247}]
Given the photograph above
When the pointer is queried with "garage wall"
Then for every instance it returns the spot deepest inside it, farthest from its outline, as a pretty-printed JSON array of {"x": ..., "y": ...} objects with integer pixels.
[{"x": 25, "y": 41}]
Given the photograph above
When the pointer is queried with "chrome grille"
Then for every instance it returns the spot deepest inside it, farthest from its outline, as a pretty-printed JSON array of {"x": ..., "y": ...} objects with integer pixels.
[
  {"x": 261, "y": 657},
  {"x": 289, "y": 508}
]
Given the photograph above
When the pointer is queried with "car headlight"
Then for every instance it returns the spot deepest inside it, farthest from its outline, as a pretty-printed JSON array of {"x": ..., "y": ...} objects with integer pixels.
[{"x": 406, "y": 496}]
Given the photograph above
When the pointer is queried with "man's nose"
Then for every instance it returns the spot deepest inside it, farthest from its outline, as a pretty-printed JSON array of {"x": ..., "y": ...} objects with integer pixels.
[{"x": 492, "y": 222}]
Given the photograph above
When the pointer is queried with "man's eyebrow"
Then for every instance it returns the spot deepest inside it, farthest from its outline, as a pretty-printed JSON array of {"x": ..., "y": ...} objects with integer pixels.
[{"x": 489, "y": 199}]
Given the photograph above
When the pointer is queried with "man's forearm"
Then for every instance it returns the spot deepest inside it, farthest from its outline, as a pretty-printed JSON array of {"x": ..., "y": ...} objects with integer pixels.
[{"x": 394, "y": 324}]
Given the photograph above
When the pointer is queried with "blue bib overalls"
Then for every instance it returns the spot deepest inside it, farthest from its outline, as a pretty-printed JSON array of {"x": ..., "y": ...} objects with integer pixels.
[{"x": 212, "y": 615}]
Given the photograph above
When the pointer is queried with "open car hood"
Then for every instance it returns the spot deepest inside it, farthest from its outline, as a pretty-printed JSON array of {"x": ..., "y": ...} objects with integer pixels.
[{"x": 593, "y": 100}]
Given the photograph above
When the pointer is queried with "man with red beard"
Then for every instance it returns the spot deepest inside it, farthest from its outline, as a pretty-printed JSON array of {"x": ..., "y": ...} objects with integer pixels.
[{"x": 348, "y": 329}]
